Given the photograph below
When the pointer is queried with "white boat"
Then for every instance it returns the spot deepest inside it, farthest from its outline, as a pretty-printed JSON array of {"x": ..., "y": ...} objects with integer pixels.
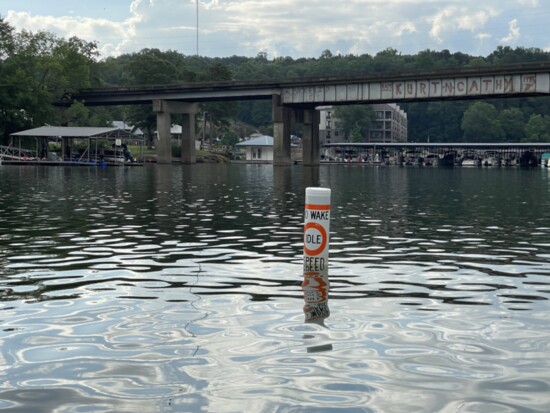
[
  {"x": 431, "y": 160},
  {"x": 489, "y": 161},
  {"x": 510, "y": 162},
  {"x": 470, "y": 161}
]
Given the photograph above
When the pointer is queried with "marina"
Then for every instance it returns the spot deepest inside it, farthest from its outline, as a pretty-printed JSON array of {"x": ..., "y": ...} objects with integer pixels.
[{"x": 442, "y": 154}]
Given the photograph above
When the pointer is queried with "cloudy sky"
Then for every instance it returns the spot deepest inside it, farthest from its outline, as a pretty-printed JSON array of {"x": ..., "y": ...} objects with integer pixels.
[{"x": 296, "y": 28}]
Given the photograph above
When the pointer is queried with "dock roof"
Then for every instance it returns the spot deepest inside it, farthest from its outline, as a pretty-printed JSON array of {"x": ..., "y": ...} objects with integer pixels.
[{"x": 77, "y": 132}]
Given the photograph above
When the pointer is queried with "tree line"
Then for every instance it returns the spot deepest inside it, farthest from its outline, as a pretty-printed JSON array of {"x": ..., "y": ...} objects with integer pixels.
[{"x": 39, "y": 68}]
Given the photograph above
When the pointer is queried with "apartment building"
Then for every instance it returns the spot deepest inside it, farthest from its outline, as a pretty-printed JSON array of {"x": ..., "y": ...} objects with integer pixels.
[{"x": 390, "y": 125}]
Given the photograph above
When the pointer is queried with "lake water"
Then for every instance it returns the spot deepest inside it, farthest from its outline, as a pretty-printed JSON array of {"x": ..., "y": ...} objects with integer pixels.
[{"x": 178, "y": 289}]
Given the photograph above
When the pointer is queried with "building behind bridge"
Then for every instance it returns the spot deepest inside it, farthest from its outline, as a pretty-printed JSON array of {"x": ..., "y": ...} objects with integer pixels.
[{"x": 390, "y": 125}]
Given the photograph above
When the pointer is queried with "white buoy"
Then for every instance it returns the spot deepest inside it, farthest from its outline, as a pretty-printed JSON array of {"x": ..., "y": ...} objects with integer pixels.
[{"x": 316, "y": 283}]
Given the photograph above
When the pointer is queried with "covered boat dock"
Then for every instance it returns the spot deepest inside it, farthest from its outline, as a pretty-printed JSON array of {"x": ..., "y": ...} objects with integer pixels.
[
  {"x": 68, "y": 145},
  {"x": 447, "y": 154}
]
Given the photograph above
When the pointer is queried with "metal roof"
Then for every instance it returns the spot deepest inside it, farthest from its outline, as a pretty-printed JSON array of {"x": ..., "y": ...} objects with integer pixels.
[
  {"x": 123, "y": 125},
  {"x": 259, "y": 141},
  {"x": 74, "y": 132},
  {"x": 472, "y": 145}
]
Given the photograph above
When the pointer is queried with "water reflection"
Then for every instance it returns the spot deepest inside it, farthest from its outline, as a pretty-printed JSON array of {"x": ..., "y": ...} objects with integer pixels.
[
  {"x": 312, "y": 176},
  {"x": 177, "y": 288}
]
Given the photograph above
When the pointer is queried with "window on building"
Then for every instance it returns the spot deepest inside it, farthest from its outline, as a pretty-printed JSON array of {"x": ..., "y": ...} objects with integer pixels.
[{"x": 259, "y": 153}]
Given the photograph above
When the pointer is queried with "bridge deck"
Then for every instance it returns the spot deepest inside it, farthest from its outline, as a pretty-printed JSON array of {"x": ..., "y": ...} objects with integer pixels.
[{"x": 463, "y": 83}]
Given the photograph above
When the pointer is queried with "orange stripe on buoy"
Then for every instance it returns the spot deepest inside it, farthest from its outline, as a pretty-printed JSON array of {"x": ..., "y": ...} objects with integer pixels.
[
  {"x": 324, "y": 240},
  {"x": 318, "y": 207}
]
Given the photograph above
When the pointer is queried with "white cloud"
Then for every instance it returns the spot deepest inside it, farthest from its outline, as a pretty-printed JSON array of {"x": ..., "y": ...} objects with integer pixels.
[
  {"x": 476, "y": 20},
  {"x": 513, "y": 34},
  {"x": 300, "y": 28},
  {"x": 68, "y": 26},
  {"x": 439, "y": 23},
  {"x": 448, "y": 21},
  {"x": 483, "y": 36}
]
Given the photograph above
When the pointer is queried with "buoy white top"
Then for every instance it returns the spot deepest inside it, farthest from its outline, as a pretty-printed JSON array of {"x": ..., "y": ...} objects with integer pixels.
[{"x": 318, "y": 196}]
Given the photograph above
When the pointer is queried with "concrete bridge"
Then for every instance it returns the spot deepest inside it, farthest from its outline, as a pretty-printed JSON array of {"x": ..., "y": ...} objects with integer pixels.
[{"x": 295, "y": 100}]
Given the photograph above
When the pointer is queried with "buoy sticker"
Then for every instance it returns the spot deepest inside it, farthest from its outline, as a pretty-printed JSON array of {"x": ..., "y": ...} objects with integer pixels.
[
  {"x": 315, "y": 238},
  {"x": 316, "y": 247}
]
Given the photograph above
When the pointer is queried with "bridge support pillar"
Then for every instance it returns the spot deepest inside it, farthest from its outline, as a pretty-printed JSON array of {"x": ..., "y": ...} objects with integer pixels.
[
  {"x": 164, "y": 143},
  {"x": 164, "y": 110},
  {"x": 310, "y": 137},
  {"x": 188, "y": 149},
  {"x": 281, "y": 132}
]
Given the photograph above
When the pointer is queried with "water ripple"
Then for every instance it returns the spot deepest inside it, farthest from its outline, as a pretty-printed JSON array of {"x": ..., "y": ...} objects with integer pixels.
[{"x": 178, "y": 289}]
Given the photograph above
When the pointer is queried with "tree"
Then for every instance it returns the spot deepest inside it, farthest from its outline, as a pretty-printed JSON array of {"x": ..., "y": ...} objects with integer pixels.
[
  {"x": 356, "y": 117},
  {"x": 327, "y": 54},
  {"x": 74, "y": 59},
  {"x": 154, "y": 67},
  {"x": 37, "y": 69},
  {"x": 538, "y": 129},
  {"x": 481, "y": 123},
  {"x": 7, "y": 45},
  {"x": 356, "y": 135},
  {"x": 440, "y": 122},
  {"x": 230, "y": 138},
  {"x": 77, "y": 115},
  {"x": 144, "y": 118},
  {"x": 220, "y": 114},
  {"x": 513, "y": 124}
]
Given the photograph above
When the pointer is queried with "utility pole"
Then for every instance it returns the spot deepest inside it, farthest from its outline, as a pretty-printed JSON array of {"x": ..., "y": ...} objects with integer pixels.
[{"x": 197, "y": 28}]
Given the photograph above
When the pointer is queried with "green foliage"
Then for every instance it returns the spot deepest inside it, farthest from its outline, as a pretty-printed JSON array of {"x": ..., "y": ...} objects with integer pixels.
[
  {"x": 513, "y": 124},
  {"x": 7, "y": 44},
  {"x": 356, "y": 135},
  {"x": 37, "y": 69},
  {"x": 538, "y": 129},
  {"x": 481, "y": 123},
  {"x": 507, "y": 55},
  {"x": 355, "y": 121},
  {"x": 230, "y": 138},
  {"x": 77, "y": 115},
  {"x": 154, "y": 67},
  {"x": 219, "y": 113},
  {"x": 255, "y": 113},
  {"x": 143, "y": 117}
]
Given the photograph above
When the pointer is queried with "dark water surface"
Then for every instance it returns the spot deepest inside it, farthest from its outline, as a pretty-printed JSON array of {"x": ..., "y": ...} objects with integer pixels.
[{"x": 177, "y": 289}]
